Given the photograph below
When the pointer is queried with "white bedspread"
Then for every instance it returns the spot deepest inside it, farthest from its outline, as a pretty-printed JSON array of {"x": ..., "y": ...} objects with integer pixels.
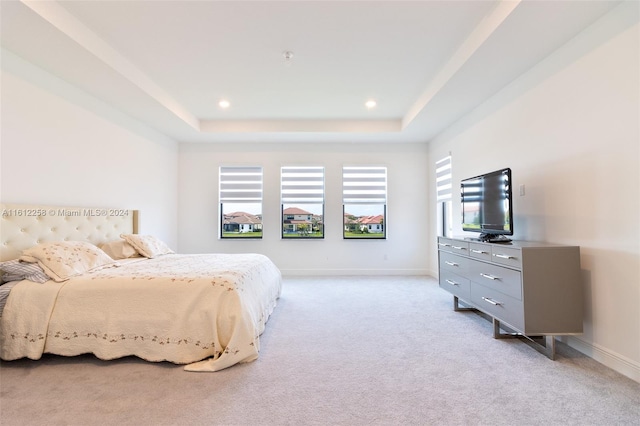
[{"x": 205, "y": 310}]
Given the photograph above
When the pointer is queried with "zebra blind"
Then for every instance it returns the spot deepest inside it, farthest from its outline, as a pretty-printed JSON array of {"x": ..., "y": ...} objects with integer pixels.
[
  {"x": 241, "y": 184},
  {"x": 302, "y": 185},
  {"x": 443, "y": 179},
  {"x": 364, "y": 185}
]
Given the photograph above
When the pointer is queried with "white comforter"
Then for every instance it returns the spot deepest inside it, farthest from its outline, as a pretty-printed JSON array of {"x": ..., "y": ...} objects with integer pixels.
[{"x": 205, "y": 310}]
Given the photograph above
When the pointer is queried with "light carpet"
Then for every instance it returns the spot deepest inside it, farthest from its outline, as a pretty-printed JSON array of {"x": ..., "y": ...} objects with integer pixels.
[{"x": 337, "y": 351}]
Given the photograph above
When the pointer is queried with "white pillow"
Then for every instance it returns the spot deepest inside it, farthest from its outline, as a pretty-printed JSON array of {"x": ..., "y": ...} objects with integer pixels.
[
  {"x": 62, "y": 260},
  {"x": 147, "y": 245},
  {"x": 119, "y": 249}
]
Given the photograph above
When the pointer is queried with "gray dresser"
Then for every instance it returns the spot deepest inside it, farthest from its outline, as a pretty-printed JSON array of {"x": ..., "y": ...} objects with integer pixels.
[{"x": 529, "y": 289}]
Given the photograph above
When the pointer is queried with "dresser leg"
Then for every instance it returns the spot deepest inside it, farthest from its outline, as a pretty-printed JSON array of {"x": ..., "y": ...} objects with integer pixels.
[
  {"x": 546, "y": 345},
  {"x": 457, "y": 307},
  {"x": 549, "y": 347}
]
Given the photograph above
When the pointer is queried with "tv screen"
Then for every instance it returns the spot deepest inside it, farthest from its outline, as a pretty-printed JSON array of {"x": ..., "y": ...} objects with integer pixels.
[{"x": 486, "y": 205}]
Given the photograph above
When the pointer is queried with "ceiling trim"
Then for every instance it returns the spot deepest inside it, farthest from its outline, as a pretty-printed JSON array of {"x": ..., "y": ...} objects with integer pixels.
[
  {"x": 57, "y": 16},
  {"x": 476, "y": 38},
  {"x": 321, "y": 126}
]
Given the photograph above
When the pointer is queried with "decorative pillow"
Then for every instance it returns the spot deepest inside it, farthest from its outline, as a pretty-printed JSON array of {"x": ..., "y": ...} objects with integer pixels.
[
  {"x": 119, "y": 249},
  {"x": 62, "y": 260},
  {"x": 147, "y": 245},
  {"x": 15, "y": 270}
]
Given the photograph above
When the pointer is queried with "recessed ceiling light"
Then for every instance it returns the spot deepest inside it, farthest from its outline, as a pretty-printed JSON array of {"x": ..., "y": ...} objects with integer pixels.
[
  {"x": 370, "y": 104},
  {"x": 224, "y": 104}
]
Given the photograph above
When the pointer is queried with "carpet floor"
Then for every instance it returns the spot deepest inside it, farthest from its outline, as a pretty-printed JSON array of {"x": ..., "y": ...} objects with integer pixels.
[{"x": 337, "y": 351}]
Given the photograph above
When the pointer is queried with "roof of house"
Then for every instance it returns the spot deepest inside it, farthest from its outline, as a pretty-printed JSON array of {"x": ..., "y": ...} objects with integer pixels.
[
  {"x": 241, "y": 218},
  {"x": 348, "y": 219},
  {"x": 295, "y": 210},
  {"x": 365, "y": 220}
]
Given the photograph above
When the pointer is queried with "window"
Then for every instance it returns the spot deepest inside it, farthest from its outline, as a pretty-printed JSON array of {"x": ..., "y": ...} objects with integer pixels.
[
  {"x": 364, "y": 200},
  {"x": 302, "y": 201},
  {"x": 443, "y": 191},
  {"x": 241, "y": 202}
]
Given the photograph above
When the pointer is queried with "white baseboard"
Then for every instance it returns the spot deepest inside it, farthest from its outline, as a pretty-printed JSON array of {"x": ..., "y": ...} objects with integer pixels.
[{"x": 615, "y": 361}]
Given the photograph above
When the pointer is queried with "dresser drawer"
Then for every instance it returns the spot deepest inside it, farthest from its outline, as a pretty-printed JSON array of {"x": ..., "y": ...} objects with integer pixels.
[
  {"x": 452, "y": 262},
  {"x": 504, "y": 280},
  {"x": 480, "y": 251},
  {"x": 506, "y": 256},
  {"x": 455, "y": 284},
  {"x": 498, "y": 305},
  {"x": 453, "y": 246}
]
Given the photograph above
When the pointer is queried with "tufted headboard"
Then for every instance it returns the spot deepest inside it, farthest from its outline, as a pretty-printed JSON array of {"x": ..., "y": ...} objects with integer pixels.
[{"x": 23, "y": 226}]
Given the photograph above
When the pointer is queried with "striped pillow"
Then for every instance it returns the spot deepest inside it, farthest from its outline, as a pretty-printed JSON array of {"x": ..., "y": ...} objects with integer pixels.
[{"x": 16, "y": 270}]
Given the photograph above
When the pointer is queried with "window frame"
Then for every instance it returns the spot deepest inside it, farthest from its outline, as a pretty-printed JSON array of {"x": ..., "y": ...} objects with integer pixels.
[
  {"x": 302, "y": 186},
  {"x": 365, "y": 186},
  {"x": 444, "y": 190},
  {"x": 240, "y": 185}
]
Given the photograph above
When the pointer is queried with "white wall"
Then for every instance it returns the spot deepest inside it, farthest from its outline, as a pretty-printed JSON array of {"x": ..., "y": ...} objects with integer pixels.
[
  {"x": 60, "y": 146},
  {"x": 569, "y": 129},
  {"x": 403, "y": 252}
]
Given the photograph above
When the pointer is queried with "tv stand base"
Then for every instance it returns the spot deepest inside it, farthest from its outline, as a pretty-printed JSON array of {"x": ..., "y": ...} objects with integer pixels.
[{"x": 493, "y": 238}]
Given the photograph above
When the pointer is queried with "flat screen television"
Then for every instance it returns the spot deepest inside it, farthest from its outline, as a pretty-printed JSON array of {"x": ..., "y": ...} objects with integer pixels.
[{"x": 487, "y": 205}]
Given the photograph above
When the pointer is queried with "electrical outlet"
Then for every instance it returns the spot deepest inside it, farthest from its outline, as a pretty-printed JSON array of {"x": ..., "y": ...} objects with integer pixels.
[{"x": 522, "y": 190}]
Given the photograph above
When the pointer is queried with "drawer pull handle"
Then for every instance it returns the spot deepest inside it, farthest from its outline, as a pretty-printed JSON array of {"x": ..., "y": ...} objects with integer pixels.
[
  {"x": 452, "y": 282},
  {"x": 489, "y": 277},
  {"x": 450, "y": 263},
  {"x": 493, "y": 302},
  {"x": 479, "y": 251},
  {"x": 504, "y": 256},
  {"x": 444, "y": 245},
  {"x": 458, "y": 248}
]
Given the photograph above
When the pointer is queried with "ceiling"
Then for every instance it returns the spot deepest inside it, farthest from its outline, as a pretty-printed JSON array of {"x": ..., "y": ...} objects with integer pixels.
[{"x": 169, "y": 63}]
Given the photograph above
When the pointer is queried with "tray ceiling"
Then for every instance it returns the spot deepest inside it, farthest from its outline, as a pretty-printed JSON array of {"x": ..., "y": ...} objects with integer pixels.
[{"x": 168, "y": 64}]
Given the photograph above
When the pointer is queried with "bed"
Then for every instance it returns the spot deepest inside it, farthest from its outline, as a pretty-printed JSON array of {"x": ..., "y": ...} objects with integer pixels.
[{"x": 206, "y": 311}]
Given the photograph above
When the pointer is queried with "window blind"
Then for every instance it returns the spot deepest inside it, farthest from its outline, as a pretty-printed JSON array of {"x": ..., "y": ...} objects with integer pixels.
[
  {"x": 302, "y": 185},
  {"x": 240, "y": 184},
  {"x": 443, "y": 179},
  {"x": 364, "y": 185}
]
